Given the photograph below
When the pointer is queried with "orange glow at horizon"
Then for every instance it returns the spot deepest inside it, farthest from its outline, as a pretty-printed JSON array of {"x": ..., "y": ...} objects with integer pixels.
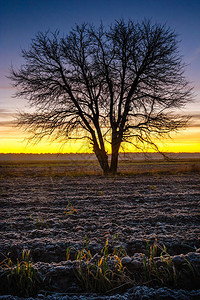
[{"x": 12, "y": 141}]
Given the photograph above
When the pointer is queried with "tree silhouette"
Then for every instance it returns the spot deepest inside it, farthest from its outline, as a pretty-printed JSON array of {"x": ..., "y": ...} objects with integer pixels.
[{"x": 115, "y": 85}]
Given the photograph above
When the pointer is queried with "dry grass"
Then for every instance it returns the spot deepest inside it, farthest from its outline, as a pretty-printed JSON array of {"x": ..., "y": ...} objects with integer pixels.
[
  {"x": 91, "y": 168},
  {"x": 103, "y": 272},
  {"x": 20, "y": 279}
]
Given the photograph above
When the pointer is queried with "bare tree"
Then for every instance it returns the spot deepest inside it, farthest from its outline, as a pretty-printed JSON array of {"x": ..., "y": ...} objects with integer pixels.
[{"x": 115, "y": 85}]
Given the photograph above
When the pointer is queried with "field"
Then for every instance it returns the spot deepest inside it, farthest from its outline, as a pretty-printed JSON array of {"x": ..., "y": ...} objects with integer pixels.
[{"x": 49, "y": 207}]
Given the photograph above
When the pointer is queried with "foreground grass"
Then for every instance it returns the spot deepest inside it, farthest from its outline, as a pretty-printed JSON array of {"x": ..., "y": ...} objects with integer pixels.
[
  {"x": 101, "y": 272},
  {"x": 20, "y": 278},
  {"x": 105, "y": 272}
]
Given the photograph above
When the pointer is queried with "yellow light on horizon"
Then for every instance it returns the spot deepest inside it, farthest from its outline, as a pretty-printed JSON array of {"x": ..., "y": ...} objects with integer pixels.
[{"x": 12, "y": 141}]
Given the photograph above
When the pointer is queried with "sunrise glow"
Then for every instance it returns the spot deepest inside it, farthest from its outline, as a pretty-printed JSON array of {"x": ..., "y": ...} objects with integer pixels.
[
  {"x": 14, "y": 141},
  {"x": 15, "y": 36}
]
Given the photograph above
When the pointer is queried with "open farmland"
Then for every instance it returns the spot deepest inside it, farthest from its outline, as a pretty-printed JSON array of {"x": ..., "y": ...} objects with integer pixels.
[{"x": 48, "y": 207}]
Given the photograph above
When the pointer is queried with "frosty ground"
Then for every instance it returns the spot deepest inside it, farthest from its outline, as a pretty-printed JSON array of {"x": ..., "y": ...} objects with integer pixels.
[{"x": 45, "y": 210}]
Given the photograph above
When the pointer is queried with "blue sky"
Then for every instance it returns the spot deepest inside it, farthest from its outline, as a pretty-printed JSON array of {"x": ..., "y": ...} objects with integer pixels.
[{"x": 20, "y": 20}]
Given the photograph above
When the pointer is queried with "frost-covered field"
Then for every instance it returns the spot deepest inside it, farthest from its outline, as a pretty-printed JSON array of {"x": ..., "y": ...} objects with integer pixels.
[{"x": 45, "y": 210}]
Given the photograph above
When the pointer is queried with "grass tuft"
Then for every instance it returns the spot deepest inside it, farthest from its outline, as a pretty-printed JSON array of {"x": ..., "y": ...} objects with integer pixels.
[
  {"x": 69, "y": 209},
  {"x": 160, "y": 270},
  {"x": 102, "y": 272},
  {"x": 20, "y": 279},
  {"x": 162, "y": 273}
]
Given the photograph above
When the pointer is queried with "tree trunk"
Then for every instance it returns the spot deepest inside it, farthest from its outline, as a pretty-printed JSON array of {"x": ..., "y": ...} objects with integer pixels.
[
  {"x": 114, "y": 157},
  {"x": 104, "y": 163},
  {"x": 102, "y": 159}
]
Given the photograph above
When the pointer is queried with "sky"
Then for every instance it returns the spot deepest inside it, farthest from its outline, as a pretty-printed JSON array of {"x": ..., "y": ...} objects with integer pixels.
[{"x": 21, "y": 20}]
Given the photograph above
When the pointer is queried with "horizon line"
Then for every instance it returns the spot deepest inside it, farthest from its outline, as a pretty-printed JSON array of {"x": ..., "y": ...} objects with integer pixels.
[{"x": 82, "y": 153}]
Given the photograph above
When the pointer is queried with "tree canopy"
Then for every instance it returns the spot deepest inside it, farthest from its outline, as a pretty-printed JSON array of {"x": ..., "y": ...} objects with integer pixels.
[{"x": 118, "y": 84}]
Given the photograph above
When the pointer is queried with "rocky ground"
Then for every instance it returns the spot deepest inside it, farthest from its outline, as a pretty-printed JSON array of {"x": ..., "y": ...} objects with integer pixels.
[{"x": 46, "y": 214}]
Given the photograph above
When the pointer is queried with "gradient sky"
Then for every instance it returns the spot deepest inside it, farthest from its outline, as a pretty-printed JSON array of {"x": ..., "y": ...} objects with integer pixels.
[{"x": 20, "y": 20}]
